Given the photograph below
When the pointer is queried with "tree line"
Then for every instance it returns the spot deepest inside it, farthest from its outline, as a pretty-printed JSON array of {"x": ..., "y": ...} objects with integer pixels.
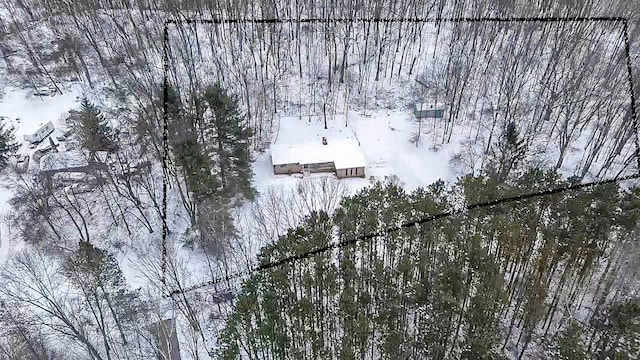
[{"x": 553, "y": 271}]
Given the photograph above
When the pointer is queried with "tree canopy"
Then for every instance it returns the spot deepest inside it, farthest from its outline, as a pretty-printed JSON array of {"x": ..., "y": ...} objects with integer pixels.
[{"x": 477, "y": 285}]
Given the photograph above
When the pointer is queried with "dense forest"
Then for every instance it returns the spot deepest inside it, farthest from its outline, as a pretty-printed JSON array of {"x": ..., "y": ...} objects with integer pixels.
[
  {"x": 566, "y": 83},
  {"x": 559, "y": 271}
]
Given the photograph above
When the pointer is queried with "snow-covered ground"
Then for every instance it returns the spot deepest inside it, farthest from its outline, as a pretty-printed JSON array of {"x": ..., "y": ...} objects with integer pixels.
[
  {"x": 283, "y": 200},
  {"x": 384, "y": 138},
  {"x": 27, "y": 113}
]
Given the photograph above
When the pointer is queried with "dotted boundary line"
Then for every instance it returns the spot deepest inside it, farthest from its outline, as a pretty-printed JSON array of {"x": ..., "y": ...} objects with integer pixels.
[
  {"x": 165, "y": 132},
  {"x": 393, "y": 229}
]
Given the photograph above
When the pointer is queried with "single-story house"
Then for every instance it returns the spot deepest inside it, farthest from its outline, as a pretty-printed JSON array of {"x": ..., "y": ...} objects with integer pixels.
[
  {"x": 425, "y": 110},
  {"x": 68, "y": 161},
  {"x": 40, "y": 134},
  {"x": 340, "y": 156}
]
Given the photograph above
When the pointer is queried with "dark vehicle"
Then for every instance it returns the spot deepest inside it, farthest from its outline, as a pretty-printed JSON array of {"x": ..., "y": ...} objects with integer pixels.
[
  {"x": 43, "y": 91},
  {"x": 22, "y": 164}
]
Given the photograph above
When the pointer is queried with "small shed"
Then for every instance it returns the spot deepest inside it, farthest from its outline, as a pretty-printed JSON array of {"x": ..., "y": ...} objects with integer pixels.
[
  {"x": 425, "y": 110},
  {"x": 40, "y": 134}
]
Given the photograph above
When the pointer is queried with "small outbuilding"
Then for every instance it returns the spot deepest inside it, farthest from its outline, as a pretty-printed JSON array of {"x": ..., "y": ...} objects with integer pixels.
[
  {"x": 425, "y": 110},
  {"x": 40, "y": 134},
  {"x": 342, "y": 157}
]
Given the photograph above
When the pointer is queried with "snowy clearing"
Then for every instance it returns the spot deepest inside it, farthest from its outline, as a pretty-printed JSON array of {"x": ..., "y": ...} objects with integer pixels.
[{"x": 26, "y": 113}]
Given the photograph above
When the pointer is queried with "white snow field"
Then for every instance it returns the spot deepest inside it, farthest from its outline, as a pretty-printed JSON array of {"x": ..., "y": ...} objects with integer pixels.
[{"x": 584, "y": 133}]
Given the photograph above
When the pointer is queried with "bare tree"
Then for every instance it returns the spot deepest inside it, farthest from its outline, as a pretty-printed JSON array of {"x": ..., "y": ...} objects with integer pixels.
[{"x": 34, "y": 281}]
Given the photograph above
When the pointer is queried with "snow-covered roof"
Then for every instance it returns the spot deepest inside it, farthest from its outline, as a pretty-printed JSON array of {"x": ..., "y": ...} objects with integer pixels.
[
  {"x": 63, "y": 160},
  {"x": 33, "y": 128},
  {"x": 343, "y": 153}
]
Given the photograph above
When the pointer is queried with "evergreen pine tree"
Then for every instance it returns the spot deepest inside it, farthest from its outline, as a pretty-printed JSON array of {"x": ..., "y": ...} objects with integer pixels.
[
  {"x": 189, "y": 150},
  {"x": 568, "y": 344},
  {"x": 211, "y": 146},
  {"x": 483, "y": 332},
  {"x": 618, "y": 331},
  {"x": 507, "y": 154},
  {"x": 231, "y": 141},
  {"x": 92, "y": 130},
  {"x": 464, "y": 286},
  {"x": 196, "y": 168}
]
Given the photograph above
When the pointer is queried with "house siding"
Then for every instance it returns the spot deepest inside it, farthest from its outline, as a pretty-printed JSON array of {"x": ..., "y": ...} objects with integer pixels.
[
  {"x": 327, "y": 167},
  {"x": 428, "y": 113},
  {"x": 321, "y": 167},
  {"x": 287, "y": 169},
  {"x": 71, "y": 169},
  {"x": 350, "y": 172}
]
